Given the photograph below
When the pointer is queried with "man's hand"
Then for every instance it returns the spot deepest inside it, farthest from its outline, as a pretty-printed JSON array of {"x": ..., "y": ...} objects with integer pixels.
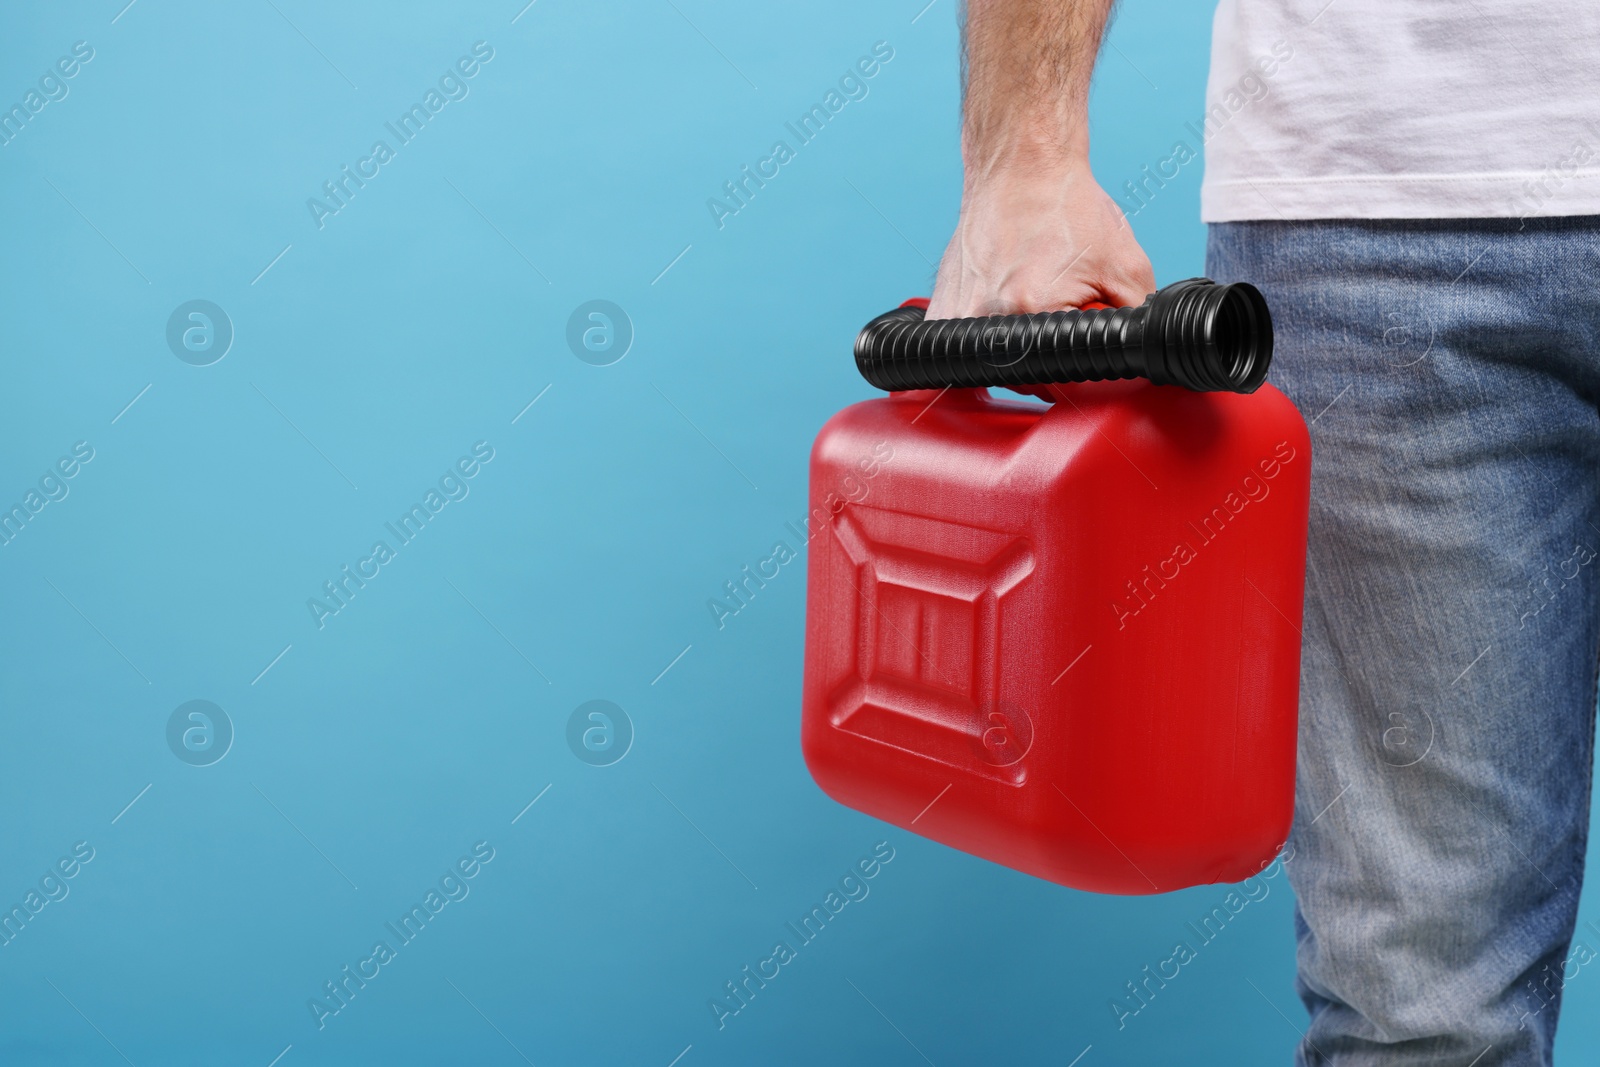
[
  {"x": 1036, "y": 231},
  {"x": 1037, "y": 243}
]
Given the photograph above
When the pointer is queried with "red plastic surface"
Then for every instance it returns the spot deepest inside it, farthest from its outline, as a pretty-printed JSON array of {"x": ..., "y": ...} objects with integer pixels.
[{"x": 1065, "y": 639}]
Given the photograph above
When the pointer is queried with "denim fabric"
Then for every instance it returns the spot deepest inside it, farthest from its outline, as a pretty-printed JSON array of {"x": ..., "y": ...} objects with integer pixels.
[{"x": 1450, "y": 371}]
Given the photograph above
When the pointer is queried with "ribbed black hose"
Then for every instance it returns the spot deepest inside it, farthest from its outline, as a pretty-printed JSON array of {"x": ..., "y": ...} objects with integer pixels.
[{"x": 1194, "y": 333}]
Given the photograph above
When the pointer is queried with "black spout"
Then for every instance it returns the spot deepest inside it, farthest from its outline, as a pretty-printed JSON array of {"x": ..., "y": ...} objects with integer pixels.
[{"x": 1194, "y": 333}]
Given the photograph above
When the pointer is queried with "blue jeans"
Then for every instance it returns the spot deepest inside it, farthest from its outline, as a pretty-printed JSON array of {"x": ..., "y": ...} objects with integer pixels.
[{"x": 1450, "y": 371}]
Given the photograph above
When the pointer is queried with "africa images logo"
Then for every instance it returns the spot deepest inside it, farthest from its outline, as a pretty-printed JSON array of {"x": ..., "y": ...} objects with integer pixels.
[
  {"x": 453, "y": 485},
  {"x": 852, "y": 86},
  {"x": 452, "y": 86}
]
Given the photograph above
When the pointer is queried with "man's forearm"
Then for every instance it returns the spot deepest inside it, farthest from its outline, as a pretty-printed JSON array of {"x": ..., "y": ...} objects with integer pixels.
[
  {"x": 1026, "y": 67},
  {"x": 1036, "y": 231}
]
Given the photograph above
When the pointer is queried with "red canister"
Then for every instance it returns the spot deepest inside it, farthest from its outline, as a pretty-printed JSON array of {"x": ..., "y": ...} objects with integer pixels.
[{"x": 1064, "y": 638}]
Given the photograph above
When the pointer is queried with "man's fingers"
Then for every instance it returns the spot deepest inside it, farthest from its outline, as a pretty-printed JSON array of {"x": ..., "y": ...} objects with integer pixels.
[{"x": 1129, "y": 290}]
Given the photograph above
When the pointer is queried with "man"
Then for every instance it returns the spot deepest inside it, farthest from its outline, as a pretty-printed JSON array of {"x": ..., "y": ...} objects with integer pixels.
[{"x": 1414, "y": 186}]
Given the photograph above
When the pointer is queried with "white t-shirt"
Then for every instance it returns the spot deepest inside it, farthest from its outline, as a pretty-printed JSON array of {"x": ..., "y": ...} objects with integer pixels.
[{"x": 1402, "y": 109}]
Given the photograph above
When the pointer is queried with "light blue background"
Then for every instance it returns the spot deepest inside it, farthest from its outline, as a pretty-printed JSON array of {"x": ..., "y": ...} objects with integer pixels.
[{"x": 420, "y": 720}]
